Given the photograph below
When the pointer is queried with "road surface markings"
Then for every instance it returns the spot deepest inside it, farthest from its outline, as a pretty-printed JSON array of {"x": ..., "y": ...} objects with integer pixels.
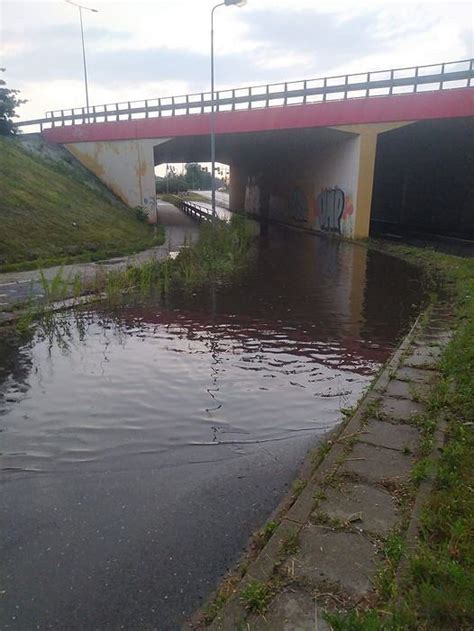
[{"x": 17, "y": 282}]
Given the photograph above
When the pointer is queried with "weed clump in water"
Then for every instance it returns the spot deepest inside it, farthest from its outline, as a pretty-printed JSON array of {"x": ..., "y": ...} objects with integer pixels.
[{"x": 222, "y": 250}]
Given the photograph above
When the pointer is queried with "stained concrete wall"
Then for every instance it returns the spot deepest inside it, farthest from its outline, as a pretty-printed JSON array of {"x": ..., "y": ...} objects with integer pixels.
[
  {"x": 336, "y": 179},
  {"x": 127, "y": 167},
  {"x": 315, "y": 189}
]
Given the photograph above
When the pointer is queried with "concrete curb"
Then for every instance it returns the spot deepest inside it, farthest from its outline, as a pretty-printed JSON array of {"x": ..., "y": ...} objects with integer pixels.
[{"x": 411, "y": 355}]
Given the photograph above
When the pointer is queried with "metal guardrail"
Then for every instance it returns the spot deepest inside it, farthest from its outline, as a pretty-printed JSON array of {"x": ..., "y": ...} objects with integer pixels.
[
  {"x": 195, "y": 211},
  {"x": 433, "y": 77}
]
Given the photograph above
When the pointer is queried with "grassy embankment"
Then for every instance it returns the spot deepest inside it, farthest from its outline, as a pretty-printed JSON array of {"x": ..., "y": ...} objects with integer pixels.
[
  {"x": 173, "y": 198},
  {"x": 50, "y": 215},
  {"x": 438, "y": 591}
]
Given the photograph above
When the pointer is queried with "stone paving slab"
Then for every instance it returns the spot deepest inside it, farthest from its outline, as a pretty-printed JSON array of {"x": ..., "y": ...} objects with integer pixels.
[
  {"x": 406, "y": 390},
  {"x": 377, "y": 463},
  {"x": 290, "y": 610},
  {"x": 427, "y": 356},
  {"x": 437, "y": 328},
  {"x": 417, "y": 375},
  {"x": 441, "y": 338},
  {"x": 390, "y": 435},
  {"x": 400, "y": 410},
  {"x": 365, "y": 507},
  {"x": 335, "y": 556}
]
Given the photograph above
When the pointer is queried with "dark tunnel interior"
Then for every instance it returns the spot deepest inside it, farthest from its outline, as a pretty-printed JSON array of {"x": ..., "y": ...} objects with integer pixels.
[{"x": 424, "y": 179}]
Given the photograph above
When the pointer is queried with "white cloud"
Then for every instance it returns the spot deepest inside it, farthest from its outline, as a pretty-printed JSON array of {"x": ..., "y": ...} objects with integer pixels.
[{"x": 160, "y": 47}]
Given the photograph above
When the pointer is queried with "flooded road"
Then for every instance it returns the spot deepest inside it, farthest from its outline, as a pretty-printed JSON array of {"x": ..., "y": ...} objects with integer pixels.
[{"x": 141, "y": 447}]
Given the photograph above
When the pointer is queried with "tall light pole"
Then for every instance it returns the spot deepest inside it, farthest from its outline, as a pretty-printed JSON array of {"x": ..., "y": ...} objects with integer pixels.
[
  {"x": 81, "y": 8},
  {"x": 237, "y": 3}
]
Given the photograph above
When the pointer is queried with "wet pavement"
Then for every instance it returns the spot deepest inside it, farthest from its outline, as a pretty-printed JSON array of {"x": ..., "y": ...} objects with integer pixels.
[{"x": 140, "y": 447}]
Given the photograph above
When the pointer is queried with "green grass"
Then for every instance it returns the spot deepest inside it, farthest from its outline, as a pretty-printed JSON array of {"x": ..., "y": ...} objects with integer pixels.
[
  {"x": 290, "y": 543},
  {"x": 175, "y": 198},
  {"x": 264, "y": 535},
  {"x": 222, "y": 250},
  {"x": 298, "y": 486},
  {"x": 256, "y": 597},
  {"x": 49, "y": 214},
  {"x": 438, "y": 591}
]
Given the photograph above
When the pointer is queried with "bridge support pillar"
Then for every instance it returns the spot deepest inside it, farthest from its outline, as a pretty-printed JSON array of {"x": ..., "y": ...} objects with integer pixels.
[
  {"x": 126, "y": 166},
  {"x": 237, "y": 184}
]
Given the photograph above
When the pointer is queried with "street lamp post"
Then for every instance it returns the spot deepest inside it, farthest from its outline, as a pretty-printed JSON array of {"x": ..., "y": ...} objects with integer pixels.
[
  {"x": 237, "y": 3},
  {"x": 81, "y": 8}
]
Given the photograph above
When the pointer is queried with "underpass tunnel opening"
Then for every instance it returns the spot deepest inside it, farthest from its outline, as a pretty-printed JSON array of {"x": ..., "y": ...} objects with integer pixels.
[
  {"x": 190, "y": 177},
  {"x": 306, "y": 177},
  {"x": 303, "y": 177},
  {"x": 183, "y": 165},
  {"x": 424, "y": 180}
]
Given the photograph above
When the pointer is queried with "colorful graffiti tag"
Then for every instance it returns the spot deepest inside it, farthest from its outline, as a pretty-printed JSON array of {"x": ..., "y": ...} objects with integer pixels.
[{"x": 333, "y": 208}]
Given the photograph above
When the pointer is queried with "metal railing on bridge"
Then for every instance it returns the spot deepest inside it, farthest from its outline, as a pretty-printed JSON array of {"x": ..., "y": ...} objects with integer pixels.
[
  {"x": 195, "y": 211},
  {"x": 434, "y": 77}
]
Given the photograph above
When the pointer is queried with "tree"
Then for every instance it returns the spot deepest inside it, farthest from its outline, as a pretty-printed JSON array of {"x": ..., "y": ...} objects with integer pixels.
[
  {"x": 199, "y": 178},
  {"x": 195, "y": 177},
  {"x": 9, "y": 101}
]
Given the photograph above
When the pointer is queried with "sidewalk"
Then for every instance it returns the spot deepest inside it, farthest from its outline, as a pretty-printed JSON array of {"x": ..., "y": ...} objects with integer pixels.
[
  {"x": 333, "y": 549},
  {"x": 17, "y": 287}
]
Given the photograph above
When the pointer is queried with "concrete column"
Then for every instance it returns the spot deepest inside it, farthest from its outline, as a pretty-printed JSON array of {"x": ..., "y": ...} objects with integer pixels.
[
  {"x": 125, "y": 166},
  {"x": 237, "y": 188},
  {"x": 345, "y": 181},
  {"x": 365, "y": 184}
]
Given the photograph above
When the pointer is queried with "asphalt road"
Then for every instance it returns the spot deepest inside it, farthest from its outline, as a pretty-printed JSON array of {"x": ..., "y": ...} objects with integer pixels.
[{"x": 80, "y": 539}]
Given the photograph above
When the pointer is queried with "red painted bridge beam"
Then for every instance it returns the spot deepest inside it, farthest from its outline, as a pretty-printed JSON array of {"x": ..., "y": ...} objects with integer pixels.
[{"x": 453, "y": 103}]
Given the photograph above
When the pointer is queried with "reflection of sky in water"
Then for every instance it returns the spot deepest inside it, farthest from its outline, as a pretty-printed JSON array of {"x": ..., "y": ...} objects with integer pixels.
[
  {"x": 273, "y": 355},
  {"x": 146, "y": 388}
]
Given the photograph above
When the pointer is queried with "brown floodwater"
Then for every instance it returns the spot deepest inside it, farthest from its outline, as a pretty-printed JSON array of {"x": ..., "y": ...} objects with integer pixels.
[{"x": 142, "y": 445}]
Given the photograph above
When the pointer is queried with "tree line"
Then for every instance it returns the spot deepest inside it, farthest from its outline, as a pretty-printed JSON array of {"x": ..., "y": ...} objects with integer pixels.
[
  {"x": 9, "y": 101},
  {"x": 195, "y": 177}
]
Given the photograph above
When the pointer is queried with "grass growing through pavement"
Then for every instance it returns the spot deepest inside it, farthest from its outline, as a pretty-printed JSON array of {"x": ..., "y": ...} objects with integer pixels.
[
  {"x": 438, "y": 592},
  {"x": 49, "y": 215},
  {"x": 256, "y": 597}
]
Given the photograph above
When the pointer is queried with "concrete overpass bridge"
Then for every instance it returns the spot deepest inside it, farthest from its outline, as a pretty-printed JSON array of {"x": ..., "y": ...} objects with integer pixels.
[{"x": 325, "y": 154}]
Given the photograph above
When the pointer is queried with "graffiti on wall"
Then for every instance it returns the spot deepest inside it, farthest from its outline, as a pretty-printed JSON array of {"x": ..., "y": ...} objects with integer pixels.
[{"x": 334, "y": 207}]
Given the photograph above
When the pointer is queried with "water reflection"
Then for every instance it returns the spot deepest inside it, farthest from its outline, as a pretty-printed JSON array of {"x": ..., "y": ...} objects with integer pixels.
[{"x": 280, "y": 351}]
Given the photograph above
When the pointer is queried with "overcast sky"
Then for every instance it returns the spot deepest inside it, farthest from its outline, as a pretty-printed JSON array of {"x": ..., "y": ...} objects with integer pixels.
[{"x": 139, "y": 50}]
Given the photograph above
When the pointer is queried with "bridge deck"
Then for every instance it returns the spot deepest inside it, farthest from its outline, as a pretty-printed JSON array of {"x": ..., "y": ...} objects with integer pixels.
[{"x": 410, "y": 107}]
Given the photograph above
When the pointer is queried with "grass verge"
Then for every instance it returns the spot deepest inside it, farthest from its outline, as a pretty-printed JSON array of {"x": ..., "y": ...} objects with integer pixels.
[{"x": 176, "y": 198}]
